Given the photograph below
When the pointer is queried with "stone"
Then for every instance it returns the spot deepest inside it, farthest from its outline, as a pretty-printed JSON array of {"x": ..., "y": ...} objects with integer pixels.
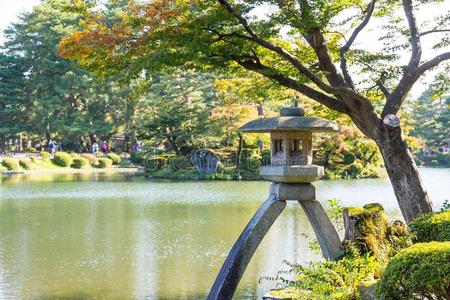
[
  {"x": 235, "y": 264},
  {"x": 204, "y": 161},
  {"x": 289, "y": 124},
  {"x": 326, "y": 233},
  {"x": 292, "y": 112},
  {"x": 293, "y": 191},
  {"x": 286, "y": 173}
]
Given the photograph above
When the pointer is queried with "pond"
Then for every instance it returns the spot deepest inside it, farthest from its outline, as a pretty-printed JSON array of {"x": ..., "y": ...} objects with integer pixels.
[{"x": 128, "y": 237}]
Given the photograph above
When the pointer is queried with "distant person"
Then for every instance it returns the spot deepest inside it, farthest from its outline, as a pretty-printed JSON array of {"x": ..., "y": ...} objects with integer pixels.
[
  {"x": 136, "y": 147},
  {"x": 59, "y": 146},
  {"x": 51, "y": 148},
  {"x": 94, "y": 148},
  {"x": 38, "y": 147},
  {"x": 105, "y": 147}
]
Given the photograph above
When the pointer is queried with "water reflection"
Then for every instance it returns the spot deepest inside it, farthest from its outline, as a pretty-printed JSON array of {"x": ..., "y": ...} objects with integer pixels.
[{"x": 116, "y": 237}]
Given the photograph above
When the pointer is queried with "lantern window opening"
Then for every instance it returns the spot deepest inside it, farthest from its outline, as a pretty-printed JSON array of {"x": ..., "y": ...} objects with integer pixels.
[
  {"x": 296, "y": 146},
  {"x": 278, "y": 146}
]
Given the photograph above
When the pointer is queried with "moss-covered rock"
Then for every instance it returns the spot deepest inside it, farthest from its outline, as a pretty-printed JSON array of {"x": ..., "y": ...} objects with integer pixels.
[
  {"x": 431, "y": 227},
  {"x": 421, "y": 271},
  {"x": 369, "y": 230}
]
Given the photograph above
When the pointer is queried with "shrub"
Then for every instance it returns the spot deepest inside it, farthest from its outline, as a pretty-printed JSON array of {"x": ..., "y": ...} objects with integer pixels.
[
  {"x": 93, "y": 160},
  {"x": 45, "y": 155},
  {"x": 443, "y": 159},
  {"x": 62, "y": 159},
  {"x": 80, "y": 163},
  {"x": 104, "y": 162},
  {"x": 136, "y": 157},
  {"x": 421, "y": 271},
  {"x": 178, "y": 162},
  {"x": 252, "y": 163},
  {"x": 331, "y": 279},
  {"x": 74, "y": 155},
  {"x": 26, "y": 164},
  {"x": 432, "y": 227},
  {"x": 30, "y": 150},
  {"x": 11, "y": 163},
  {"x": 115, "y": 158},
  {"x": 434, "y": 163},
  {"x": 155, "y": 163}
]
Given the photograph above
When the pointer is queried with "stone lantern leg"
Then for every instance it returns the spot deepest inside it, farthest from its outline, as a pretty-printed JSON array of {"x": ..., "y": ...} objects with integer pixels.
[{"x": 291, "y": 172}]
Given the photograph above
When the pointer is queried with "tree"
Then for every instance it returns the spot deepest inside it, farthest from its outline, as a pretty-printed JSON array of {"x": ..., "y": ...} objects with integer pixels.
[
  {"x": 57, "y": 99},
  {"x": 176, "y": 110},
  {"x": 432, "y": 118},
  {"x": 305, "y": 45},
  {"x": 11, "y": 99}
]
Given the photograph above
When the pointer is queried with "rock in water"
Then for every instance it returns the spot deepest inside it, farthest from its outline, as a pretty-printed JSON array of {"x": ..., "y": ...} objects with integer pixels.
[{"x": 205, "y": 161}]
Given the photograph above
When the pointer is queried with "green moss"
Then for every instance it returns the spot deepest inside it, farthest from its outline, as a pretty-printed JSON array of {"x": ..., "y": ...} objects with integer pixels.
[
  {"x": 377, "y": 236},
  {"x": 432, "y": 227},
  {"x": 418, "y": 272}
]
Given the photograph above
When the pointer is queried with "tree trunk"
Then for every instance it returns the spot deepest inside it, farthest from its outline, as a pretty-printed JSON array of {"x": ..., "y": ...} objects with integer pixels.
[
  {"x": 411, "y": 194},
  {"x": 239, "y": 153},
  {"x": 3, "y": 143}
]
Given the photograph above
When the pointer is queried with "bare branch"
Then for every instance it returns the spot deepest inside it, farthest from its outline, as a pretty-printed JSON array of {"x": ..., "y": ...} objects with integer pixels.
[
  {"x": 434, "y": 31},
  {"x": 433, "y": 63},
  {"x": 350, "y": 41}
]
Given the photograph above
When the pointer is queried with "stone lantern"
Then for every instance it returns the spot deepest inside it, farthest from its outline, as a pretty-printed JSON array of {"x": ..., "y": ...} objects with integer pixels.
[
  {"x": 291, "y": 145},
  {"x": 291, "y": 172}
]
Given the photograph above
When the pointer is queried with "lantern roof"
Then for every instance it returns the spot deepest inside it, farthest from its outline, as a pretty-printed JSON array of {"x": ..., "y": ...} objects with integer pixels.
[{"x": 291, "y": 119}]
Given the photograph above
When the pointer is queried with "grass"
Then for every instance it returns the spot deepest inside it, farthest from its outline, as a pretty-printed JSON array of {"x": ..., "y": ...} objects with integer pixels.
[{"x": 42, "y": 164}]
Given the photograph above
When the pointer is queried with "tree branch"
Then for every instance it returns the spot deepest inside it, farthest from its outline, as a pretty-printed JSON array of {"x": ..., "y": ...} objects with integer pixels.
[
  {"x": 380, "y": 84},
  {"x": 317, "y": 41},
  {"x": 350, "y": 41},
  {"x": 433, "y": 63},
  {"x": 434, "y": 31},
  {"x": 254, "y": 37},
  {"x": 275, "y": 75},
  {"x": 410, "y": 76},
  {"x": 416, "y": 52}
]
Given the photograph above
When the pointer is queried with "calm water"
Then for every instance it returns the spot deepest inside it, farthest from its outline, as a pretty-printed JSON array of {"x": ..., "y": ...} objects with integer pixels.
[{"x": 122, "y": 237}]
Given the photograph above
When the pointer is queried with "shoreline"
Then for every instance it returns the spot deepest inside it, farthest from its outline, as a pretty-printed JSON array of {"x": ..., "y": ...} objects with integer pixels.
[{"x": 133, "y": 170}]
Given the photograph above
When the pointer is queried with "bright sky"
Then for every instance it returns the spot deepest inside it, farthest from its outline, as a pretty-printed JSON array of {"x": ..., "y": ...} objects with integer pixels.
[{"x": 10, "y": 9}]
